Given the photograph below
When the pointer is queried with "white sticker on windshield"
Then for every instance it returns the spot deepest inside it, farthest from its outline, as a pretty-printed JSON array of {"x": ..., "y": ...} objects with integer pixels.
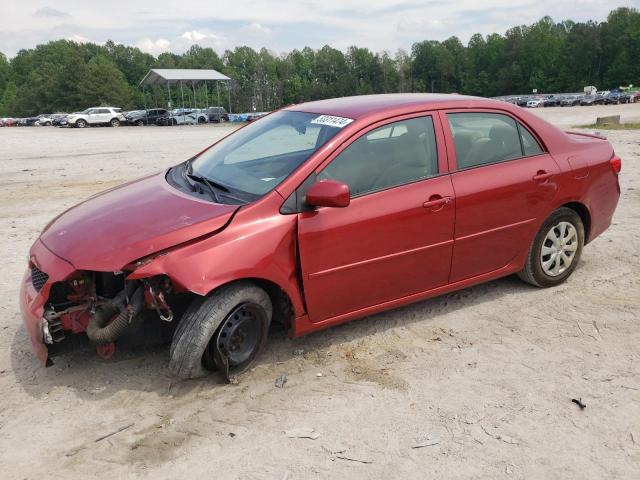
[{"x": 331, "y": 121}]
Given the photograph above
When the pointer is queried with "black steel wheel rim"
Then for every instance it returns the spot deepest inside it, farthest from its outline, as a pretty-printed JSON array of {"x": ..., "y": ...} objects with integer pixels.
[{"x": 240, "y": 334}]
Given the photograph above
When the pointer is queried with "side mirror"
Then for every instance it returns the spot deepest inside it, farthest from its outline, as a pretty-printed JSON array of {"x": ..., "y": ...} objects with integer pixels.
[{"x": 328, "y": 193}]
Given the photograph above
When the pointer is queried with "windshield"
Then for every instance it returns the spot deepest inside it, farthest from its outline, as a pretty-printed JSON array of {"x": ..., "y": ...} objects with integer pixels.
[{"x": 258, "y": 157}]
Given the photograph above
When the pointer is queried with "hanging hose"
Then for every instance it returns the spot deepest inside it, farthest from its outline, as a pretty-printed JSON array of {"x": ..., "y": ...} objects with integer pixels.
[{"x": 100, "y": 331}]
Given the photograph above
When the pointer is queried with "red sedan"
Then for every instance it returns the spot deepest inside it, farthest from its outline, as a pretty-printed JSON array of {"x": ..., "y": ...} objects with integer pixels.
[{"x": 318, "y": 214}]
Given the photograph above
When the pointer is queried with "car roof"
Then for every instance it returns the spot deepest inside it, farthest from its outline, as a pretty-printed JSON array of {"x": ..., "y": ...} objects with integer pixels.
[{"x": 365, "y": 105}]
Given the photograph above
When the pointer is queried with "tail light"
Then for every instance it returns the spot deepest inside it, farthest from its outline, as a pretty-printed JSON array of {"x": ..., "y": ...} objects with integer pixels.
[{"x": 616, "y": 164}]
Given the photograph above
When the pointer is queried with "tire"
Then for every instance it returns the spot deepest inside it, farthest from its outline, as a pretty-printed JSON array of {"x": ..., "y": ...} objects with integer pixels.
[
  {"x": 201, "y": 120},
  {"x": 47, "y": 124},
  {"x": 551, "y": 269},
  {"x": 114, "y": 122},
  {"x": 81, "y": 123},
  {"x": 174, "y": 122},
  {"x": 190, "y": 355},
  {"x": 140, "y": 123}
]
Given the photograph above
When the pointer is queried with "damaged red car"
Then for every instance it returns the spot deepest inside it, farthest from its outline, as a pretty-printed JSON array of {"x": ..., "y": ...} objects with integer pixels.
[{"x": 314, "y": 215}]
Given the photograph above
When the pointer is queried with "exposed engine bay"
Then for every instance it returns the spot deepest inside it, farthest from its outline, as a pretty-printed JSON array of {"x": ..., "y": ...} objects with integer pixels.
[{"x": 102, "y": 308}]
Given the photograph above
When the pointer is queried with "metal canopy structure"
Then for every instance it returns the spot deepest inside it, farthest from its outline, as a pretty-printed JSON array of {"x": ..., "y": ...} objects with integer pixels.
[
  {"x": 192, "y": 77},
  {"x": 172, "y": 76}
]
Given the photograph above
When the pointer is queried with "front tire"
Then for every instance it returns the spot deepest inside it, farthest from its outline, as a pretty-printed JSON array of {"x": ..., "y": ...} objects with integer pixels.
[
  {"x": 140, "y": 123},
  {"x": 555, "y": 251},
  {"x": 114, "y": 122},
  {"x": 234, "y": 320},
  {"x": 81, "y": 123}
]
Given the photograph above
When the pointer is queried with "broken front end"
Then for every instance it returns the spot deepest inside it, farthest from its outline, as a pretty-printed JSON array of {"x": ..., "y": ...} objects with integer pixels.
[{"x": 64, "y": 309}]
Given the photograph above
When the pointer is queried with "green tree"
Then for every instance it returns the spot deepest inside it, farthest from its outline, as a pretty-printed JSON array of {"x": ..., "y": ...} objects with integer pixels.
[{"x": 102, "y": 83}]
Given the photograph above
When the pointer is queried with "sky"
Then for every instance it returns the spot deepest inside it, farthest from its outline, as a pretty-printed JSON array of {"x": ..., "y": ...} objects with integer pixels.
[{"x": 157, "y": 26}]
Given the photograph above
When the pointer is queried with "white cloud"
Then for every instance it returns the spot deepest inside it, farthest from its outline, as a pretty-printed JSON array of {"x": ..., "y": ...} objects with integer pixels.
[
  {"x": 154, "y": 47},
  {"x": 50, "y": 12},
  {"x": 280, "y": 24},
  {"x": 204, "y": 39},
  {"x": 79, "y": 39},
  {"x": 260, "y": 29}
]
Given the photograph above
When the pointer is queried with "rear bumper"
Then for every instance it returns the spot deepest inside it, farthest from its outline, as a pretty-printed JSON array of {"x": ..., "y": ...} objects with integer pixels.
[{"x": 32, "y": 301}]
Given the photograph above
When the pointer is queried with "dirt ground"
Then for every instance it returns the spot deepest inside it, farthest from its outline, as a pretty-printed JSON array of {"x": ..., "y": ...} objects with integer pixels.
[{"x": 483, "y": 377}]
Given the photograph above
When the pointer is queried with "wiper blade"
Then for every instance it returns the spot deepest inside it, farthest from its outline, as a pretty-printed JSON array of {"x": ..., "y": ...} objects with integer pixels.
[
  {"x": 200, "y": 179},
  {"x": 211, "y": 185}
]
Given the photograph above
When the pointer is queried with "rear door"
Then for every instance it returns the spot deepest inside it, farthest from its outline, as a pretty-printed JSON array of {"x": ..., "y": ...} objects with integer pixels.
[
  {"x": 395, "y": 238},
  {"x": 504, "y": 182},
  {"x": 101, "y": 115}
]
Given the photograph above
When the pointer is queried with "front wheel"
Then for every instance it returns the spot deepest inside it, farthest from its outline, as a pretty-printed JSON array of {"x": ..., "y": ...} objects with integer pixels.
[
  {"x": 225, "y": 330},
  {"x": 140, "y": 123},
  {"x": 556, "y": 249},
  {"x": 81, "y": 123},
  {"x": 114, "y": 122}
]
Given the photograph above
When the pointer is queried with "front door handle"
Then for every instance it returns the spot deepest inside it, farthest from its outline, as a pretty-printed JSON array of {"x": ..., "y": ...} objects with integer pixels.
[
  {"x": 436, "y": 202},
  {"x": 542, "y": 176}
]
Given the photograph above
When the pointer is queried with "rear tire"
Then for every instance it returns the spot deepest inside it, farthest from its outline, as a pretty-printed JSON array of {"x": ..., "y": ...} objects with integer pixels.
[
  {"x": 562, "y": 238},
  {"x": 140, "y": 123},
  {"x": 191, "y": 352}
]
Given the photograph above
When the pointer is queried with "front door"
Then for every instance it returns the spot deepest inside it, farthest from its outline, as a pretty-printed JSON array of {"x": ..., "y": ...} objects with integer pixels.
[
  {"x": 504, "y": 183},
  {"x": 395, "y": 238}
]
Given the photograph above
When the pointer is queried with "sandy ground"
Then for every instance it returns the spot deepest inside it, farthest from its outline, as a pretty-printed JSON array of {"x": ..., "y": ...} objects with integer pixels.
[{"x": 486, "y": 375}]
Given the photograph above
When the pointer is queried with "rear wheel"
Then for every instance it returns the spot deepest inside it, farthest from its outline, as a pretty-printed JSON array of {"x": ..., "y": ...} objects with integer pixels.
[
  {"x": 555, "y": 252},
  {"x": 140, "y": 123},
  {"x": 228, "y": 327}
]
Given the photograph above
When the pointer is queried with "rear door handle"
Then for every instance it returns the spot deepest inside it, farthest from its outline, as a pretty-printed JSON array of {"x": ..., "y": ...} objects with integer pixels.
[
  {"x": 542, "y": 175},
  {"x": 436, "y": 202}
]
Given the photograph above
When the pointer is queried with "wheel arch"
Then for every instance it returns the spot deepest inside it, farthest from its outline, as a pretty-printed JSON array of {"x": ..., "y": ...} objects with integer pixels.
[
  {"x": 582, "y": 210},
  {"x": 283, "y": 311}
]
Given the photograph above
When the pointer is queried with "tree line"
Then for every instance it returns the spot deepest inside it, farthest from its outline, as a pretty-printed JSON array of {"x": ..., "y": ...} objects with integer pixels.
[{"x": 551, "y": 57}]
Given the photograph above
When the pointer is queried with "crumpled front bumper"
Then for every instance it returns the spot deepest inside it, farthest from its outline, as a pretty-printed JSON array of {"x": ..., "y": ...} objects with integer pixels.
[{"x": 32, "y": 301}]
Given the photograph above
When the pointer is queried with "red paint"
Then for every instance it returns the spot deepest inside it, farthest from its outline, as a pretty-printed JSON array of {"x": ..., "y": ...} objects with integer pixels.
[
  {"x": 329, "y": 193},
  {"x": 378, "y": 251}
]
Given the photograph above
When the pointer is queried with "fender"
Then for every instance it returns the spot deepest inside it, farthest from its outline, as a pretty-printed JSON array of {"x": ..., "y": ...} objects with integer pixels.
[{"x": 267, "y": 244}]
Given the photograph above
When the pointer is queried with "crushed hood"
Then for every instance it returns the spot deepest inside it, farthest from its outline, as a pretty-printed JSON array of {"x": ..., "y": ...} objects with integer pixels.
[{"x": 125, "y": 223}]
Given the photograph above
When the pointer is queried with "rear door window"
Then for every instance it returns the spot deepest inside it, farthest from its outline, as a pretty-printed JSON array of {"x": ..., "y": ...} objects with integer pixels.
[
  {"x": 483, "y": 138},
  {"x": 530, "y": 145}
]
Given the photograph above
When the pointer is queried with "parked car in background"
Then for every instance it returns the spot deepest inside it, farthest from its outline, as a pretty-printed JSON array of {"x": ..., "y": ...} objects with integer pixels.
[
  {"x": 7, "y": 122},
  {"x": 217, "y": 114},
  {"x": 570, "y": 100},
  {"x": 111, "y": 116},
  {"x": 183, "y": 117},
  {"x": 522, "y": 101},
  {"x": 315, "y": 215},
  {"x": 589, "y": 100},
  {"x": 56, "y": 118},
  {"x": 534, "y": 103},
  {"x": 613, "y": 98},
  {"x": 552, "y": 101},
  {"x": 45, "y": 120},
  {"x": 28, "y": 121},
  {"x": 146, "y": 117},
  {"x": 625, "y": 98}
]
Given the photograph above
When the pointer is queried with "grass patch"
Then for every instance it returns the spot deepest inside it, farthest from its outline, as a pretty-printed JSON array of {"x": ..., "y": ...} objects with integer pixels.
[{"x": 611, "y": 126}]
